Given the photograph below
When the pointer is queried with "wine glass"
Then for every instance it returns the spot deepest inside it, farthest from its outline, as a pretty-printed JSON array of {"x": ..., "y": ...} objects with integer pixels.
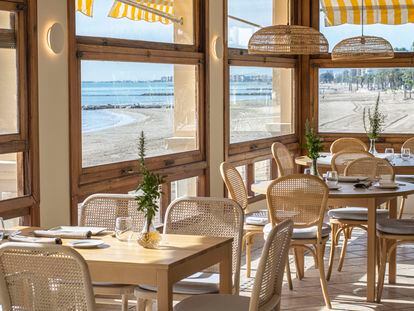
[
  {"x": 307, "y": 171},
  {"x": 2, "y": 229},
  {"x": 332, "y": 179},
  {"x": 123, "y": 228},
  {"x": 405, "y": 154},
  {"x": 389, "y": 154}
]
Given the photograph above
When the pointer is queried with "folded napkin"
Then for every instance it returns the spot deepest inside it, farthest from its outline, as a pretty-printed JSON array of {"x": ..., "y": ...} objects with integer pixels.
[
  {"x": 30, "y": 239},
  {"x": 63, "y": 234}
]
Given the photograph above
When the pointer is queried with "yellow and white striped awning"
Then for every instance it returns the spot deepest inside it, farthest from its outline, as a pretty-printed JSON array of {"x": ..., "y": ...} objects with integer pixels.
[
  {"x": 121, "y": 10},
  {"x": 390, "y": 12}
]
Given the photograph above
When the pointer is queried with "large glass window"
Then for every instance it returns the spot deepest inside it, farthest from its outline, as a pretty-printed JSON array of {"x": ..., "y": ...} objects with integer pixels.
[
  {"x": 112, "y": 19},
  {"x": 121, "y": 99},
  {"x": 345, "y": 92},
  {"x": 261, "y": 102}
]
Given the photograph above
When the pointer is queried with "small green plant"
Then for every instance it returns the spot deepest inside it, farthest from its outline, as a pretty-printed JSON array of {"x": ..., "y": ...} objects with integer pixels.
[
  {"x": 373, "y": 121},
  {"x": 150, "y": 185},
  {"x": 313, "y": 143}
]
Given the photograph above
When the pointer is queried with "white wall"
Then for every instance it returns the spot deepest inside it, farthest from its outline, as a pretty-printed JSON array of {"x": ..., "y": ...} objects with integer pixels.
[{"x": 53, "y": 119}]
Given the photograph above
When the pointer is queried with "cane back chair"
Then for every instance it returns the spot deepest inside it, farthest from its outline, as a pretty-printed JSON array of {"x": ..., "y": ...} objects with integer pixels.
[{"x": 348, "y": 143}]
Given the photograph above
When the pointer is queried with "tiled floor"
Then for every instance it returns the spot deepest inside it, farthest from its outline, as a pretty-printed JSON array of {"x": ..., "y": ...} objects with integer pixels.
[{"x": 346, "y": 288}]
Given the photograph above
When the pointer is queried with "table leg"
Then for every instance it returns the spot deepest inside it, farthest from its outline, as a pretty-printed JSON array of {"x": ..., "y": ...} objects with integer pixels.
[
  {"x": 392, "y": 268},
  {"x": 371, "y": 258},
  {"x": 226, "y": 274},
  {"x": 164, "y": 291},
  {"x": 300, "y": 262}
]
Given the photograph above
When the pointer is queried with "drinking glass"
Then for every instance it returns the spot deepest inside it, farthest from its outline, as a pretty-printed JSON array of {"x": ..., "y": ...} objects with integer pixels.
[
  {"x": 307, "y": 171},
  {"x": 2, "y": 229},
  {"x": 405, "y": 154},
  {"x": 389, "y": 154},
  {"x": 123, "y": 228},
  {"x": 332, "y": 178}
]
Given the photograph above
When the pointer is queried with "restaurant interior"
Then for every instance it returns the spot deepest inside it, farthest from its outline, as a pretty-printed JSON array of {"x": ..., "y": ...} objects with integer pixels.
[{"x": 206, "y": 155}]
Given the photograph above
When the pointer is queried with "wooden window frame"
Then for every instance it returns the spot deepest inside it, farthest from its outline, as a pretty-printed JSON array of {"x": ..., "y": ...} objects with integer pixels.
[
  {"x": 401, "y": 59},
  {"x": 25, "y": 142},
  {"x": 124, "y": 176}
]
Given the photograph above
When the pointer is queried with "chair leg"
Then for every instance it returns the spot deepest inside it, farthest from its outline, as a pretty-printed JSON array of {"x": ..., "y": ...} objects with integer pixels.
[
  {"x": 321, "y": 268},
  {"x": 400, "y": 214},
  {"x": 249, "y": 242},
  {"x": 332, "y": 252},
  {"x": 141, "y": 304},
  {"x": 300, "y": 262},
  {"x": 149, "y": 305},
  {"x": 124, "y": 302},
  {"x": 288, "y": 275},
  {"x": 381, "y": 274},
  {"x": 343, "y": 251}
]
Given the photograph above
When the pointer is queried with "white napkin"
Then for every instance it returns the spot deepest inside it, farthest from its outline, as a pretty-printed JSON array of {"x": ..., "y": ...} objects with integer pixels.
[
  {"x": 63, "y": 234},
  {"x": 29, "y": 239}
]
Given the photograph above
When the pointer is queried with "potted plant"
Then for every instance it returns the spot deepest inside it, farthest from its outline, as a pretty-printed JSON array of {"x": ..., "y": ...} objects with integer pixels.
[
  {"x": 313, "y": 146},
  {"x": 373, "y": 124},
  {"x": 148, "y": 194}
]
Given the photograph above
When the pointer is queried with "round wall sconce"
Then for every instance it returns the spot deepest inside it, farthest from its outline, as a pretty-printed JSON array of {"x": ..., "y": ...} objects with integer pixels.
[
  {"x": 217, "y": 47},
  {"x": 56, "y": 38}
]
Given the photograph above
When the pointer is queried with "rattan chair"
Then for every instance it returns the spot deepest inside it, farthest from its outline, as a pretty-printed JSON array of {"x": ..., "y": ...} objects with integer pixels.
[
  {"x": 345, "y": 219},
  {"x": 237, "y": 191},
  {"x": 44, "y": 277},
  {"x": 303, "y": 199},
  {"x": 391, "y": 233},
  {"x": 349, "y": 144},
  {"x": 283, "y": 159},
  {"x": 267, "y": 288},
  {"x": 207, "y": 217},
  {"x": 101, "y": 210},
  {"x": 409, "y": 143},
  {"x": 341, "y": 159}
]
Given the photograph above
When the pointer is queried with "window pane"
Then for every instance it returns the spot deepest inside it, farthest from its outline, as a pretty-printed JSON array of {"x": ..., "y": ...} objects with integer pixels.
[
  {"x": 9, "y": 178},
  {"x": 184, "y": 187},
  {"x": 261, "y": 103},
  {"x": 245, "y": 17},
  {"x": 102, "y": 25},
  {"x": 120, "y": 99},
  {"x": 12, "y": 222},
  {"x": 262, "y": 171},
  {"x": 8, "y": 77},
  {"x": 345, "y": 92},
  {"x": 398, "y": 35}
]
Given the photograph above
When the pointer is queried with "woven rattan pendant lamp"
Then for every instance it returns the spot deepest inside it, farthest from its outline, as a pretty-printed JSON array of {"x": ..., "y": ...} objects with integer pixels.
[
  {"x": 288, "y": 39},
  {"x": 362, "y": 47}
]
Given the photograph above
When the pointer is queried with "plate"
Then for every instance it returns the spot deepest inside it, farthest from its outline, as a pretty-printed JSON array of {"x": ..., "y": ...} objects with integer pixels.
[
  {"x": 334, "y": 187},
  {"x": 8, "y": 233},
  {"x": 86, "y": 243},
  {"x": 352, "y": 178},
  {"x": 78, "y": 229}
]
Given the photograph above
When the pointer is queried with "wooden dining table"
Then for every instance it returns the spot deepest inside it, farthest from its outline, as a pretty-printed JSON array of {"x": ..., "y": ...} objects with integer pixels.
[
  {"x": 178, "y": 257},
  {"x": 373, "y": 197},
  {"x": 401, "y": 166}
]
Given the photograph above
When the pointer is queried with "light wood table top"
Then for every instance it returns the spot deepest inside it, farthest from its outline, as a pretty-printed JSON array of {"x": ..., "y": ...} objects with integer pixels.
[
  {"x": 178, "y": 257},
  {"x": 403, "y": 167}
]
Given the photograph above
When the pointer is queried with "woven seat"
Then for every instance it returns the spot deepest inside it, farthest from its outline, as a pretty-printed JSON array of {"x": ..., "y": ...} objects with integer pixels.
[
  {"x": 347, "y": 143},
  {"x": 267, "y": 288},
  {"x": 101, "y": 210},
  {"x": 355, "y": 213},
  {"x": 302, "y": 233},
  {"x": 40, "y": 277},
  {"x": 207, "y": 217},
  {"x": 303, "y": 199},
  {"x": 396, "y": 226}
]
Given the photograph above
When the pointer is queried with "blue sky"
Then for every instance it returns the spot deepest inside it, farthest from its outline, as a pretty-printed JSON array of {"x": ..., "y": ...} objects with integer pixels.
[{"x": 101, "y": 25}]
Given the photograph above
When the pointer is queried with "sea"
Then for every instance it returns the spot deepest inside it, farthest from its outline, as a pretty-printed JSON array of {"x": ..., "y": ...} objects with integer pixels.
[{"x": 99, "y": 99}]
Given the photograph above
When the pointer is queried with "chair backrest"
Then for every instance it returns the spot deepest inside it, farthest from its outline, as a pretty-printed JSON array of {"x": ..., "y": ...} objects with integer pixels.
[
  {"x": 267, "y": 288},
  {"x": 283, "y": 159},
  {"x": 370, "y": 167},
  {"x": 301, "y": 198},
  {"x": 409, "y": 143},
  {"x": 215, "y": 217},
  {"x": 234, "y": 183},
  {"x": 348, "y": 143},
  {"x": 341, "y": 159},
  {"x": 101, "y": 210},
  {"x": 44, "y": 277}
]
